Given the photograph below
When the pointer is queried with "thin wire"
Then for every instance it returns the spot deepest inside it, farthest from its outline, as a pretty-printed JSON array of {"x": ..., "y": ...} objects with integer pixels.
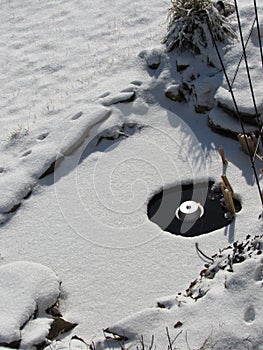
[
  {"x": 237, "y": 110},
  {"x": 258, "y": 28},
  {"x": 247, "y": 68},
  {"x": 256, "y": 149},
  {"x": 244, "y": 46},
  {"x": 241, "y": 58}
]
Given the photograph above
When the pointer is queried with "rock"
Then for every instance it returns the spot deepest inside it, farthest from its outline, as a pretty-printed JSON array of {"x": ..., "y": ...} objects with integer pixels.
[
  {"x": 204, "y": 89},
  {"x": 12, "y": 345},
  {"x": 152, "y": 57},
  {"x": 166, "y": 302},
  {"x": 202, "y": 109},
  {"x": 244, "y": 104},
  {"x": 174, "y": 93},
  {"x": 181, "y": 67},
  {"x": 27, "y": 289},
  {"x": 225, "y": 123},
  {"x": 181, "y": 64},
  {"x": 122, "y": 97},
  {"x": 50, "y": 170},
  {"x": 13, "y": 209},
  {"x": 136, "y": 82},
  {"x": 112, "y": 134},
  {"x": 59, "y": 326}
]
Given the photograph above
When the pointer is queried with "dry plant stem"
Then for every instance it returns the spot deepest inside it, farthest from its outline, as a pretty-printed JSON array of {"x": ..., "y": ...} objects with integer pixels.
[
  {"x": 187, "y": 343},
  {"x": 227, "y": 183},
  {"x": 207, "y": 344},
  {"x": 222, "y": 154},
  {"x": 170, "y": 342},
  {"x": 228, "y": 197},
  {"x": 187, "y": 26},
  {"x": 251, "y": 142},
  {"x": 170, "y": 346},
  {"x": 142, "y": 343},
  {"x": 152, "y": 343}
]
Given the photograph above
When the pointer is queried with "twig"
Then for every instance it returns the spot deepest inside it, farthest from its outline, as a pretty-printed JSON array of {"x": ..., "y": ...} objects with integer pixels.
[
  {"x": 142, "y": 343},
  {"x": 177, "y": 336},
  {"x": 186, "y": 339},
  {"x": 203, "y": 254},
  {"x": 152, "y": 343},
  {"x": 207, "y": 343},
  {"x": 170, "y": 346},
  {"x": 227, "y": 183},
  {"x": 92, "y": 346},
  {"x": 222, "y": 154}
]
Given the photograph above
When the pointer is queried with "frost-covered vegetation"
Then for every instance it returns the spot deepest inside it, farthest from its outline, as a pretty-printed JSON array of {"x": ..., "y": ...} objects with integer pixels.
[{"x": 189, "y": 22}]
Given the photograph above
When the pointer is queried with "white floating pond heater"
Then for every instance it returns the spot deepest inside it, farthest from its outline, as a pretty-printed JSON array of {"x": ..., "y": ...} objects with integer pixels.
[{"x": 189, "y": 211}]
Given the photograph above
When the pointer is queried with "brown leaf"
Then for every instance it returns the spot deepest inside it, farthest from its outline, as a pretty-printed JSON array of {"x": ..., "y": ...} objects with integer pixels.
[{"x": 178, "y": 324}]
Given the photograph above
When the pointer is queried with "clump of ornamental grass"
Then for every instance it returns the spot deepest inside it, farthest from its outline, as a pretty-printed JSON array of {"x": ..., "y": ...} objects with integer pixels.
[{"x": 190, "y": 23}]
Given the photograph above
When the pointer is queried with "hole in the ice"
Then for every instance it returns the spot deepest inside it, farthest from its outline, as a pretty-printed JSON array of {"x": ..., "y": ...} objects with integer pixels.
[{"x": 191, "y": 209}]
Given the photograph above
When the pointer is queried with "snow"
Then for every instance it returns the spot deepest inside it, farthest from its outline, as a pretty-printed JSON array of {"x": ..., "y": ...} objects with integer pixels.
[
  {"x": 78, "y": 93},
  {"x": 26, "y": 288},
  {"x": 35, "y": 332},
  {"x": 236, "y": 325},
  {"x": 232, "y": 55},
  {"x": 221, "y": 119},
  {"x": 26, "y": 161},
  {"x": 124, "y": 96}
]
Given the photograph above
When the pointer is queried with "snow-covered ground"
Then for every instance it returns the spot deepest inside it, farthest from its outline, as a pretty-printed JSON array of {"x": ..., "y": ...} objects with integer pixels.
[{"x": 79, "y": 100}]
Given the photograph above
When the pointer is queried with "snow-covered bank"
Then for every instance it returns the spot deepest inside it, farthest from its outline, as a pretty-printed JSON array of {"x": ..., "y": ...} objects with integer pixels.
[
  {"x": 228, "y": 290},
  {"x": 28, "y": 158},
  {"x": 27, "y": 289}
]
